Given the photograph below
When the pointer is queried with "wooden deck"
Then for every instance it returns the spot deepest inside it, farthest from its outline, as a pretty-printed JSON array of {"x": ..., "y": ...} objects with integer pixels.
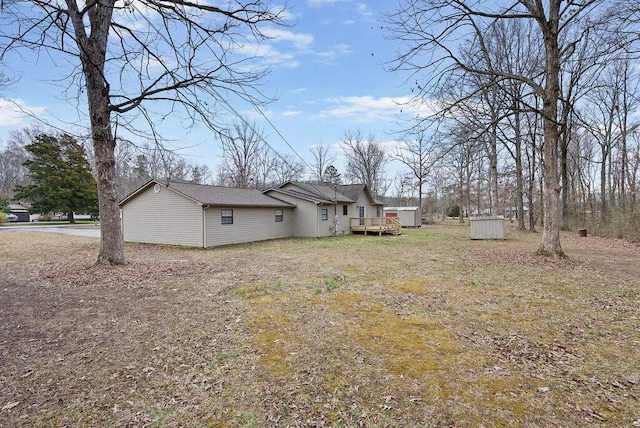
[{"x": 378, "y": 225}]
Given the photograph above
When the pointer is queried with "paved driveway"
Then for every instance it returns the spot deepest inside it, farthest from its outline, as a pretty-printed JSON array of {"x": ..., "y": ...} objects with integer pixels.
[{"x": 88, "y": 231}]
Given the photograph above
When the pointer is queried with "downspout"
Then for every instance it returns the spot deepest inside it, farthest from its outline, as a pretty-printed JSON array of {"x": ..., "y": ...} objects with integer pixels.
[
  {"x": 335, "y": 210},
  {"x": 318, "y": 221},
  {"x": 204, "y": 226}
]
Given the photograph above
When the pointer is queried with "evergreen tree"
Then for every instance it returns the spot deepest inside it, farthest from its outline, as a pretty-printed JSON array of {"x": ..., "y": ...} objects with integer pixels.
[
  {"x": 61, "y": 177},
  {"x": 331, "y": 175}
]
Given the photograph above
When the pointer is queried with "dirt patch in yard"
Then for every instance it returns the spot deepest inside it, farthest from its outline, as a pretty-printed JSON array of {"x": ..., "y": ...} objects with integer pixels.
[{"x": 424, "y": 329}]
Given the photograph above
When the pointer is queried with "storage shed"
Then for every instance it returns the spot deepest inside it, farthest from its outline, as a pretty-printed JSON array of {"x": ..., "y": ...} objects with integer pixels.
[
  {"x": 408, "y": 216},
  {"x": 489, "y": 227}
]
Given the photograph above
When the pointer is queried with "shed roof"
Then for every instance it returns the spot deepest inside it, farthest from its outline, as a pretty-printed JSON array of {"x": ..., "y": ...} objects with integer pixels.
[
  {"x": 401, "y": 208},
  {"x": 216, "y": 195}
]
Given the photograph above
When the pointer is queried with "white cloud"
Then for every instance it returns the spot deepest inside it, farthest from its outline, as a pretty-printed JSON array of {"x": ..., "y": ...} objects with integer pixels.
[
  {"x": 300, "y": 41},
  {"x": 322, "y": 3},
  {"x": 364, "y": 11},
  {"x": 366, "y": 108},
  {"x": 269, "y": 54},
  {"x": 16, "y": 112},
  {"x": 334, "y": 52},
  {"x": 291, "y": 113}
]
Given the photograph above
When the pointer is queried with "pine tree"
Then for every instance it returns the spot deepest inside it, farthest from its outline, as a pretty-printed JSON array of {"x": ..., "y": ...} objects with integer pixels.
[
  {"x": 331, "y": 175},
  {"x": 61, "y": 177}
]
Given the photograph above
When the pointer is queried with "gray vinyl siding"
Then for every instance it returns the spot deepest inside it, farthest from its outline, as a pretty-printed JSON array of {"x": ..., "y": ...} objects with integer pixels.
[
  {"x": 249, "y": 224},
  {"x": 325, "y": 227},
  {"x": 307, "y": 217},
  {"x": 162, "y": 218},
  {"x": 343, "y": 220},
  {"x": 369, "y": 209}
]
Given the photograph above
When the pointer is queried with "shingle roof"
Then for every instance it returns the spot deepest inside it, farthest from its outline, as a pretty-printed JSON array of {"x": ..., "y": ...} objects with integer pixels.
[
  {"x": 352, "y": 191},
  {"x": 331, "y": 193},
  {"x": 313, "y": 197},
  {"x": 220, "y": 196}
]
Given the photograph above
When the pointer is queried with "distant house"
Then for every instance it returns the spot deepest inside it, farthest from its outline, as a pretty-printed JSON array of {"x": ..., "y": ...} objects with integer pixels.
[
  {"x": 20, "y": 211},
  {"x": 325, "y": 210},
  {"x": 203, "y": 216},
  {"x": 408, "y": 216}
]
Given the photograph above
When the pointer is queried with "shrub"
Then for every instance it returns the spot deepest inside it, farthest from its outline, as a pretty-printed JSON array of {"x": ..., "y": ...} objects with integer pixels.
[
  {"x": 618, "y": 224},
  {"x": 3, "y": 218},
  {"x": 453, "y": 211}
]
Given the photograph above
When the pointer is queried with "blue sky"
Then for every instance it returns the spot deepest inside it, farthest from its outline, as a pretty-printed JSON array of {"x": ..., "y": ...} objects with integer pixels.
[{"x": 327, "y": 74}]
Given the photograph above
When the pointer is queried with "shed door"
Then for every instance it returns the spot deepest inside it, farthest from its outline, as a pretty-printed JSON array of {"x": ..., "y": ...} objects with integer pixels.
[{"x": 391, "y": 214}]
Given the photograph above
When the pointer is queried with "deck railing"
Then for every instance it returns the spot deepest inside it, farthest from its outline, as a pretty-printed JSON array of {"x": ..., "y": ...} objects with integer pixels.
[{"x": 377, "y": 225}]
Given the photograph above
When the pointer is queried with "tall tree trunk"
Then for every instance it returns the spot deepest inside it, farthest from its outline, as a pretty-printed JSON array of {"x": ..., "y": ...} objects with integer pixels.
[
  {"x": 564, "y": 173},
  {"x": 603, "y": 184},
  {"x": 518, "y": 161},
  {"x": 493, "y": 168},
  {"x": 531, "y": 190},
  {"x": 93, "y": 48},
  {"x": 552, "y": 215},
  {"x": 111, "y": 243}
]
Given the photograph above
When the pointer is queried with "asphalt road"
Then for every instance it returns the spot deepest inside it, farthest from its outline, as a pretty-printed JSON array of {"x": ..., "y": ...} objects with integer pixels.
[{"x": 89, "y": 232}]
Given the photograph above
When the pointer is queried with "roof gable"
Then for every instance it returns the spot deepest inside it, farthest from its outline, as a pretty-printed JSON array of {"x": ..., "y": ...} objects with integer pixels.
[{"x": 341, "y": 193}]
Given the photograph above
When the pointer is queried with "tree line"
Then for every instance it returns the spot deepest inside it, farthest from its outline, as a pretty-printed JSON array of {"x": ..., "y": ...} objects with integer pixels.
[
  {"x": 246, "y": 161},
  {"x": 529, "y": 105},
  {"x": 534, "y": 101}
]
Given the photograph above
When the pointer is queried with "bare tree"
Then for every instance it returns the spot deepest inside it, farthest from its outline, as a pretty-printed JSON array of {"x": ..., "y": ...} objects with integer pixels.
[
  {"x": 366, "y": 160},
  {"x": 322, "y": 159},
  {"x": 177, "y": 55},
  {"x": 418, "y": 153},
  {"x": 243, "y": 151},
  {"x": 286, "y": 168},
  {"x": 12, "y": 171},
  {"x": 431, "y": 30}
]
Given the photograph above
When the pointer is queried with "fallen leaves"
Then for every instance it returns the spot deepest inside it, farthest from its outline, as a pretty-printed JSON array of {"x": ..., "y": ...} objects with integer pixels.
[
  {"x": 11, "y": 405},
  {"x": 167, "y": 340}
]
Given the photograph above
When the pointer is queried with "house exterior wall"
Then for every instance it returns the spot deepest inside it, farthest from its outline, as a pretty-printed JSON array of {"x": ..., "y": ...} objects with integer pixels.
[
  {"x": 343, "y": 220},
  {"x": 162, "y": 218},
  {"x": 326, "y": 227},
  {"x": 370, "y": 210},
  {"x": 249, "y": 224},
  {"x": 306, "y": 217}
]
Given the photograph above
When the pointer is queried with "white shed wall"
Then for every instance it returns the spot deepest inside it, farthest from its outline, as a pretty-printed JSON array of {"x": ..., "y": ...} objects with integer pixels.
[
  {"x": 407, "y": 217},
  {"x": 487, "y": 227}
]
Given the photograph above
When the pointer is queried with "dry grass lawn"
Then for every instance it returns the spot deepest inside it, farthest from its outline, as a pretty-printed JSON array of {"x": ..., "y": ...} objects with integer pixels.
[{"x": 424, "y": 329}]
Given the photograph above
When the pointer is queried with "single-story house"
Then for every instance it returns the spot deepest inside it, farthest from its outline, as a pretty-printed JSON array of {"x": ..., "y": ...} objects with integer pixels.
[
  {"x": 203, "y": 216},
  {"x": 326, "y": 210},
  {"x": 21, "y": 211},
  {"x": 408, "y": 216},
  {"x": 208, "y": 216}
]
